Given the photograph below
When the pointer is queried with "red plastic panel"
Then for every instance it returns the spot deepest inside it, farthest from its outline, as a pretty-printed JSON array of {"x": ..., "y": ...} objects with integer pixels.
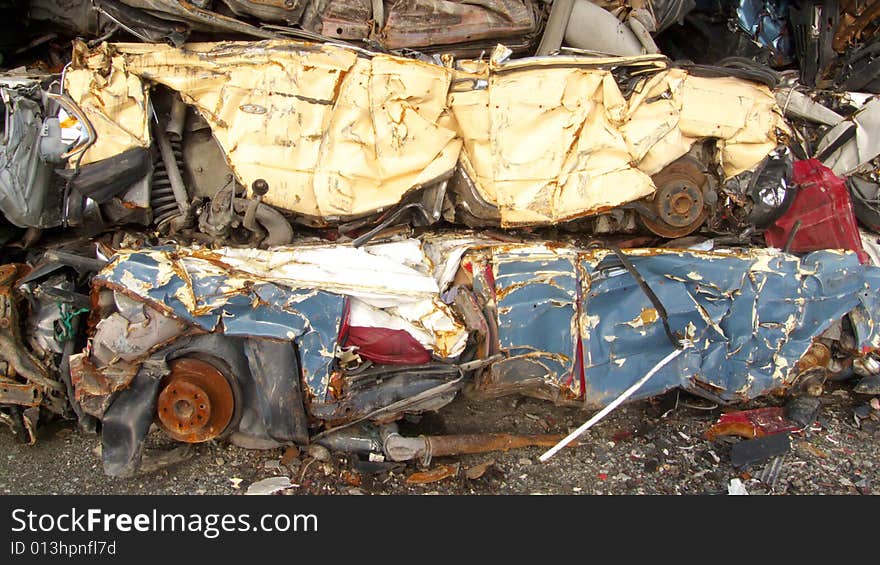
[
  {"x": 825, "y": 210},
  {"x": 387, "y": 346}
]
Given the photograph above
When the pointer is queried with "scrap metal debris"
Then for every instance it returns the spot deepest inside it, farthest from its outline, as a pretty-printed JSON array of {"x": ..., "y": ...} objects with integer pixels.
[
  {"x": 299, "y": 223},
  {"x": 751, "y": 424},
  {"x": 477, "y": 471},
  {"x": 434, "y": 475},
  {"x": 270, "y": 485},
  {"x": 753, "y": 451},
  {"x": 736, "y": 487}
]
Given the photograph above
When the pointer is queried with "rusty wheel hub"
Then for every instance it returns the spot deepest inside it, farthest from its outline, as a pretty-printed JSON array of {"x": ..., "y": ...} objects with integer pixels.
[
  {"x": 196, "y": 402},
  {"x": 678, "y": 202}
]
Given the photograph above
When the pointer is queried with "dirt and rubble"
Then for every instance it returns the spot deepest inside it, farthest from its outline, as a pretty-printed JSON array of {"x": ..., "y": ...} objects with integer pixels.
[{"x": 649, "y": 447}]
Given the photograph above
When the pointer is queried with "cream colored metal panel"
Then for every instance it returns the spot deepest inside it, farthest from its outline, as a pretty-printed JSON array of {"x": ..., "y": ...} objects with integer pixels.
[
  {"x": 333, "y": 134},
  {"x": 338, "y": 134},
  {"x": 112, "y": 99}
]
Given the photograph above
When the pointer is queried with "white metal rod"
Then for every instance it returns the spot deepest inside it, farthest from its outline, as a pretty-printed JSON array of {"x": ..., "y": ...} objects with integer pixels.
[{"x": 611, "y": 406}]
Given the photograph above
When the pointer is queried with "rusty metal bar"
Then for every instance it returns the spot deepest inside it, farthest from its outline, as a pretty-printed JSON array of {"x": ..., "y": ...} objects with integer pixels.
[
  {"x": 21, "y": 394},
  {"x": 400, "y": 448},
  {"x": 483, "y": 443},
  {"x": 792, "y": 234},
  {"x": 12, "y": 348}
]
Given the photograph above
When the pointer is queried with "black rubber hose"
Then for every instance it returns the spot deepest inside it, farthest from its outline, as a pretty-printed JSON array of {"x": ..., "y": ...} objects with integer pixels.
[{"x": 655, "y": 300}]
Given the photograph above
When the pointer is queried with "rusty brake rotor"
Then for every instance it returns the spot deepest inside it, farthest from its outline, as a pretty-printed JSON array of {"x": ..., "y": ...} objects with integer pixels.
[
  {"x": 196, "y": 402},
  {"x": 678, "y": 201}
]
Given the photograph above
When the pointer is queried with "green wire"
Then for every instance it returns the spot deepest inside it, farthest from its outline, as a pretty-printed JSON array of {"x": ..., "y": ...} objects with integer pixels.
[{"x": 67, "y": 317}]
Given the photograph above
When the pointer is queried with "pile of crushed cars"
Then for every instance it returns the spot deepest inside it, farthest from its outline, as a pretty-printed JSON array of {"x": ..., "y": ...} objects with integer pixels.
[{"x": 289, "y": 222}]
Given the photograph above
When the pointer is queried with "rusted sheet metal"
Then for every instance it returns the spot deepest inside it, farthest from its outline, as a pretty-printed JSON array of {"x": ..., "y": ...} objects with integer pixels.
[
  {"x": 93, "y": 389},
  {"x": 857, "y": 22},
  {"x": 20, "y": 394},
  {"x": 12, "y": 348},
  {"x": 450, "y": 25},
  {"x": 430, "y": 23}
]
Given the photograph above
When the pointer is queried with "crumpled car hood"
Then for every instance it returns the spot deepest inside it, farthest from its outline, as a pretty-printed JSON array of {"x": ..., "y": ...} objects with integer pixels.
[{"x": 340, "y": 133}]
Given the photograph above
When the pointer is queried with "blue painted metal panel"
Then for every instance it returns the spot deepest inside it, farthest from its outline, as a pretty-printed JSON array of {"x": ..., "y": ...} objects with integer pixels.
[
  {"x": 259, "y": 309},
  {"x": 750, "y": 318},
  {"x": 536, "y": 297}
]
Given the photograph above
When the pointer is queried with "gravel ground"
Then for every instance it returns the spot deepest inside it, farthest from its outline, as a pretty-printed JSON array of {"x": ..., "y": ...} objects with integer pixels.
[{"x": 643, "y": 448}]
